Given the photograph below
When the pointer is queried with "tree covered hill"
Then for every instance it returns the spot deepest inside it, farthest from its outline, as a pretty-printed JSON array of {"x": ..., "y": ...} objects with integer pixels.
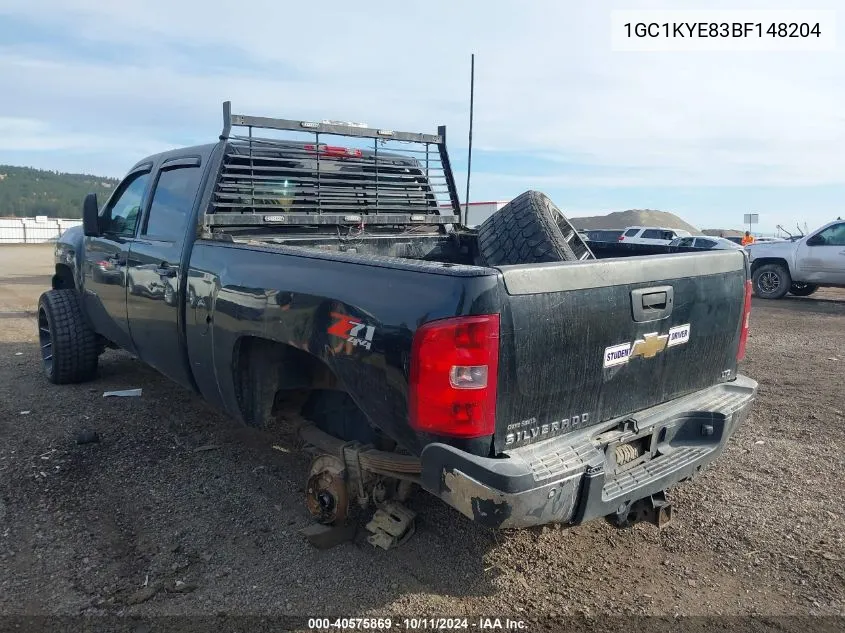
[{"x": 27, "y": 192}]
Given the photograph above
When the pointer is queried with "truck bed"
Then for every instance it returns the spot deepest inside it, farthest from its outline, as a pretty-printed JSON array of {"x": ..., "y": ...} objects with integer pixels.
[{"x": 558, "y": 324}]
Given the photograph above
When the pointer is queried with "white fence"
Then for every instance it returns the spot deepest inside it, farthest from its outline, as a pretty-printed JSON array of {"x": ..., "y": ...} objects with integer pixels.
[{"x": 35, "y": 230}]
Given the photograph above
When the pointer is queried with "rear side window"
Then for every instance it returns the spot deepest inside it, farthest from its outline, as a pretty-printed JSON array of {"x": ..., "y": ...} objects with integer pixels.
[
  {"x": 702, "y": 243},
  {"x": 173, "y": 201},
  {"x": 654, "y": 234},
  {"x": 631, "y": 232}
]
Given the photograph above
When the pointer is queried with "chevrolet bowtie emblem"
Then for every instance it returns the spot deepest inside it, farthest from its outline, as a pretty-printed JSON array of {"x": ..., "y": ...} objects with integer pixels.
[{"x": 649, "y": 346}]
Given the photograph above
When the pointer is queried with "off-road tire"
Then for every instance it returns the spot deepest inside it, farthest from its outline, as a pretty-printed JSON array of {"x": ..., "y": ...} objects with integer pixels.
[
  {"x": 529, "y": 229},
  {"x": 802, "y": 290},
  {"x": 763, "y": 278},
  {"x": 69, "y": 347}
]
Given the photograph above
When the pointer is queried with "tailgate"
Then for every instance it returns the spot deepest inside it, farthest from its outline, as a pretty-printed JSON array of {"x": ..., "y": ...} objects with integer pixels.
[{"x": 586, "y": 342}]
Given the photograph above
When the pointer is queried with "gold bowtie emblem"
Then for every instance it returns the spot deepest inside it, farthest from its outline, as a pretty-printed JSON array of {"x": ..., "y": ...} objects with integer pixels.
[{"x": 649, "y": 346}]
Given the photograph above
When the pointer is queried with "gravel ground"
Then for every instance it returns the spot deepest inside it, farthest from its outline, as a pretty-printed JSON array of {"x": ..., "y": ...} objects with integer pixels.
[{"x": 176, "y": 497}]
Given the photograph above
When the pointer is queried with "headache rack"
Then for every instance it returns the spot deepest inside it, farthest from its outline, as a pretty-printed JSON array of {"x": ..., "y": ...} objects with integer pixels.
[{"x": 398, "y": 178}]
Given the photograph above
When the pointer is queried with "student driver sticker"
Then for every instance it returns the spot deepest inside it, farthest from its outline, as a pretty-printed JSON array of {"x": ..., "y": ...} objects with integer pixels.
[{"x": 648, "y": 346}]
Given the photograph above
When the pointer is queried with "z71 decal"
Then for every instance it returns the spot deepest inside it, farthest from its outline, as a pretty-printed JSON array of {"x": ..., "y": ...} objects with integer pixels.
[
  {"x": 649, "y": 346},
  {"x": 352, "y": 331}
]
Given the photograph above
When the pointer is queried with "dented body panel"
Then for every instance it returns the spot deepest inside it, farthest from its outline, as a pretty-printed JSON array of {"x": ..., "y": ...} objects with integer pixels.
[{"x": 577, "y": 477}]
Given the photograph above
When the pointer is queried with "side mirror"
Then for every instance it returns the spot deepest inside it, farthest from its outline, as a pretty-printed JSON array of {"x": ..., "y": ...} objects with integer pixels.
[{"x": 90, "y": 216}]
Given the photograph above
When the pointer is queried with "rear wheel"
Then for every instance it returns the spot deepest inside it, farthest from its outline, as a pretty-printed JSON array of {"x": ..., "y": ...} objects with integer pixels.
[
  {"x": 69, "y": 347},
  {"x": 771, "y": 281},
  {"x": 802, "y": 290},
  {"x": 529, "y": 229}
]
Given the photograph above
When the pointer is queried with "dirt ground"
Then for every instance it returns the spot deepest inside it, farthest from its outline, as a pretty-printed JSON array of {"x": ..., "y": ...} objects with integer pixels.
[{"x": 176, "y": 492}]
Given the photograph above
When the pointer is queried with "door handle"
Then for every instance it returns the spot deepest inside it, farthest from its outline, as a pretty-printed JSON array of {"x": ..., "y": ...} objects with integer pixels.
[
  {"x": 654, "y": 300},
  {"x": 166, "y": 271},
  {"x": 652, "y": 304}
]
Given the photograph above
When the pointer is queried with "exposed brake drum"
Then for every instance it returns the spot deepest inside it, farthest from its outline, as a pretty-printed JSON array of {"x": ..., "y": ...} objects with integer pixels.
[{"x": 325, "y": 495}]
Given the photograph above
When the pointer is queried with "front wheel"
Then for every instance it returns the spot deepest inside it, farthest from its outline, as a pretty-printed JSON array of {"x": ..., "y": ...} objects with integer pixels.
[
  {"x": 771, "y": 281},
  {"x": 802, "y": 290},
  {"x": 69, "y": 347}
]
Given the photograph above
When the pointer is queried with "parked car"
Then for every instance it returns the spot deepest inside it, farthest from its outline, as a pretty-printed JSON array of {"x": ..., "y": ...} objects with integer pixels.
[
  {"x": 604, "y": 235},
  {"x": 507, "y": 372},
  {"x": 651, "y": 235},
  {"x": 800, "y": 266},
  {"x": 706, "y": 242}
]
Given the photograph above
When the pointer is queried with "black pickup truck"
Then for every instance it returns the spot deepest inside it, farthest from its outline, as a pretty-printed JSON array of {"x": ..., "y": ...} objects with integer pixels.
[{"x": 504, "y": 369}]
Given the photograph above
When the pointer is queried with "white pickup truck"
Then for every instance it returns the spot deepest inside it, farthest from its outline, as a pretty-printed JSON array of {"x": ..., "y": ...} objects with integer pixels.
[{"x": 799, "y": 266}]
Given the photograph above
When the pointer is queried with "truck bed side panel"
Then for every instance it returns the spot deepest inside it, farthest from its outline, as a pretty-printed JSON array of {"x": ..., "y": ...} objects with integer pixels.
[{"x": 301, "y": 298}]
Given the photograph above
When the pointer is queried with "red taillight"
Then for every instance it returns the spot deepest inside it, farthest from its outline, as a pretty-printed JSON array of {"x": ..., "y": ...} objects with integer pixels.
[
  {"x": 621, "y": 238},
  {"x": 746, "y": 316},
  {"x": 454, "y": 365},
  {"x": 334, "y": 151}
]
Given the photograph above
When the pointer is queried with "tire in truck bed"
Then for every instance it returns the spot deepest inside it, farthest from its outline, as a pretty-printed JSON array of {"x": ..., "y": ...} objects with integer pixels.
[{"x": 529, "y": 229}]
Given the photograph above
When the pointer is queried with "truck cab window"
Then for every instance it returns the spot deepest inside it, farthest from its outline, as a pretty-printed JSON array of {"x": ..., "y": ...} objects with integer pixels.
[
  {"x": 124, "y": 212},
  {"x": 832, "y": 236},
  {"x": 173, "y": 201}
]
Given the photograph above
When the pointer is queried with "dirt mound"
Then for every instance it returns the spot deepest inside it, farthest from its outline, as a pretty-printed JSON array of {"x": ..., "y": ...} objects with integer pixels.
[{"x": 633, "y": 217}]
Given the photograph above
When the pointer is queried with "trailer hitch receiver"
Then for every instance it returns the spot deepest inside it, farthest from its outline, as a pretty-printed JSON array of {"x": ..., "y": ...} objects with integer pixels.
[{"x": 655, "y": 509}]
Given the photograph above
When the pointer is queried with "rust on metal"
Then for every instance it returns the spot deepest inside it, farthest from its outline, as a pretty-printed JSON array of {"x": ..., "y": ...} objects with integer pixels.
[{"x": 326, "y": 496}]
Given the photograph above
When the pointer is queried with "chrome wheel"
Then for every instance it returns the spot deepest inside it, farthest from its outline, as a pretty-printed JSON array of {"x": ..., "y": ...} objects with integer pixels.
[{"x": 769, "y": 282}]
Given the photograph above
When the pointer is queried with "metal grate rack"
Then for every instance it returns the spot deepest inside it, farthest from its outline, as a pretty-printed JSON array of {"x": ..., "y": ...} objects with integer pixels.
[{"x": 376, "y": 176}]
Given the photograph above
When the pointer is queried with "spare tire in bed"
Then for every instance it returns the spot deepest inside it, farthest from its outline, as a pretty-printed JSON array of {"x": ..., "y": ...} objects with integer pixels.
[{"x": 529, "y": 229}]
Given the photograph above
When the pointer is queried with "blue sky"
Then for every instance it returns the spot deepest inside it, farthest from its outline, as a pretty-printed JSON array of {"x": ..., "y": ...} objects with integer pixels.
[{"x": 710, "y": 136}]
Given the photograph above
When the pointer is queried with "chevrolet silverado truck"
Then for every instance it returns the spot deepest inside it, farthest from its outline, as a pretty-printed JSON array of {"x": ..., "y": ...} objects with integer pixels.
[
  {"x": 505, "y": 369},
  {"x": 799, "y": 266}
]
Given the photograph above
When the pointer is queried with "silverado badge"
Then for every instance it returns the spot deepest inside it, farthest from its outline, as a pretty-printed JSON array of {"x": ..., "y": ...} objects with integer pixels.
[{"x": 649, "y": 346}]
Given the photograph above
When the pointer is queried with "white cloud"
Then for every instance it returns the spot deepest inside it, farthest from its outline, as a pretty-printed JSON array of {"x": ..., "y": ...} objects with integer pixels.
[
  {"x": 32, "y": 135},
  {"x": 547, "y": 83}
]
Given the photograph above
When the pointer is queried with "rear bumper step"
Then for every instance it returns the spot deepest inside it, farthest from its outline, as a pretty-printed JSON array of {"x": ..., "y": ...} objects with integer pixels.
[{"x": 575, "y": 478}]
